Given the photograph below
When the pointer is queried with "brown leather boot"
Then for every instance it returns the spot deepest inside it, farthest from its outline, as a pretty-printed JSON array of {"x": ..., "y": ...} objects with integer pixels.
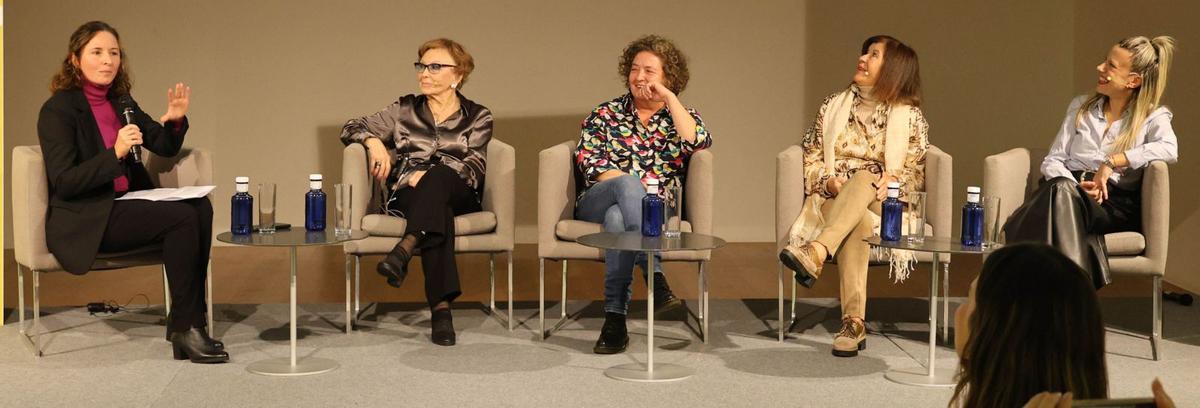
[
  {"x": 850, "y": 339},
  {"x": 807, "y": 261}
]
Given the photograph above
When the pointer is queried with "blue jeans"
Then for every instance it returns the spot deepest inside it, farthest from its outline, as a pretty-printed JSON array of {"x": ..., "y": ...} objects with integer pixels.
[{"x": 617, "y": 204}]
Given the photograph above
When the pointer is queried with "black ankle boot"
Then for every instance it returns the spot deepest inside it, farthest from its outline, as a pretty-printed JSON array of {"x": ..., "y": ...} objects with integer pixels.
[
  {"x": 443, "y": 327},
  {"x": 394, "y": 266},
  {"x": 664, "y": 300},
  {"x": 214, "y": 343},
  {"x": 614, "y": 336},
  {"x": 190, "y": 345}
]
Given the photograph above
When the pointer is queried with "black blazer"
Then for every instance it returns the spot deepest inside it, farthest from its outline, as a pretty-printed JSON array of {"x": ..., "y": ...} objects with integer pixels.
[{"x": 80, "y": 172}]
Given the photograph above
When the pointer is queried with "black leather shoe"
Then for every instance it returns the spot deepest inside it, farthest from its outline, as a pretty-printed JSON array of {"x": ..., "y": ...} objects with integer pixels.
[
  {"x": 394, "y": 267},
  {"x": 443, "y": 328},
  {"x": 614, "y": 336},
  {"x": 664, "y": 300},
  {"x": 190, "y": 345},
  {"x": 217, "y": 344}
]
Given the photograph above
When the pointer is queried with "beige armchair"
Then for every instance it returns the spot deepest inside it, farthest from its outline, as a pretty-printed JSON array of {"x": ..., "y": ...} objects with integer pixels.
[
  {"x": 490, "y": 231},
  {"x": 30, "y": 201},
  {"x": 558, "y": 229},
  {"x": 1013, "y": 176},
  {"x": 789, "y": 199}
]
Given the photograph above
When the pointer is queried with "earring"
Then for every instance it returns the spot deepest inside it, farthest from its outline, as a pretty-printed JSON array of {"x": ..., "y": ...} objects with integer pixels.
[
  {"x": 866, "y": 73},
  {"x": 454, "y": 85}
]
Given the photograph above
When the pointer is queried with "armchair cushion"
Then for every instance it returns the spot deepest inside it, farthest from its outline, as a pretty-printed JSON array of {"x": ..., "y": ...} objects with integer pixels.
[
  {"x": 467, "y": 224},
  {"x": 571, "y": 230},
  {"x": 1125, "y": 243}
]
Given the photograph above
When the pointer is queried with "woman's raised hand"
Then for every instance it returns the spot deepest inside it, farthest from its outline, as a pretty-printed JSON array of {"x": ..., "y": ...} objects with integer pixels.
[{"x": 178, "y": 99}]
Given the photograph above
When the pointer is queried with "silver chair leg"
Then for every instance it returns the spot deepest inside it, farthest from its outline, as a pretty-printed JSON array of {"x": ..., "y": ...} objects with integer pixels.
[
  {"x": 542, "y": 298},
  {"x": 357, "y": 288},
  {"x": 945, "y": 301},
  {"x": 492, "y": 283},
  {"x": 208, "y": 294},
  {"x": 349, "y": 319},
  {"x": 704, "y": 302},
  {"x": 510, "y": 291},
  {"x": 1156, "y": 330},
  {"x": 166, "y": 293},
  {"x": 26, "y": 336},
  {"x": 37, "y": 311},
  {"x": 793, "y": 311},
  {"x": 782, "y": 324},
  {"x": 563, "y": 310}
]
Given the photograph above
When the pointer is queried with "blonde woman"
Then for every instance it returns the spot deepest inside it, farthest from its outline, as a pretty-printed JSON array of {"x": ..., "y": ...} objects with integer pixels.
[
  {"x": 865, "y": 136},
  {"x": 1106, "y": 141}
]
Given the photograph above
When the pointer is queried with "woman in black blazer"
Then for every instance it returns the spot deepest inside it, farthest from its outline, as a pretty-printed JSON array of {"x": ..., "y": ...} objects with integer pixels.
[{"x": 88, "y": 151}]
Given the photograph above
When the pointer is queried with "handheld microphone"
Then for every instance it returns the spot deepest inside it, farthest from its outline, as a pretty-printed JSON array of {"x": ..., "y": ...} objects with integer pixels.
[{"x": 135, "y": 152}]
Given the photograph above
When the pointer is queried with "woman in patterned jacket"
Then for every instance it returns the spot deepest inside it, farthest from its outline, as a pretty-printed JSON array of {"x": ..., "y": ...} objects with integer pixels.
[
  {"x": 646, "y": 134},
  {"x": 864, "y": 137}
]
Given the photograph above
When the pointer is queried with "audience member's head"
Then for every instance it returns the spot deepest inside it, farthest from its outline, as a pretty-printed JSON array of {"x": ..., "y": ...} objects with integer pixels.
[{"x": 1031, "y": 324}]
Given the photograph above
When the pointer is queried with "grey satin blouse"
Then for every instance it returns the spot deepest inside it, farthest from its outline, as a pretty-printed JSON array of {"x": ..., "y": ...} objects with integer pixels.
[{"x": 409, "y": 131}]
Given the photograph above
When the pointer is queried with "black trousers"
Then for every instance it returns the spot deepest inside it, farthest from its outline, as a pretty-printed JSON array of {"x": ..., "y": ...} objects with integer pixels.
[
  {"x": 429, "y": 208},
  {"x": 184, "y": 228}
]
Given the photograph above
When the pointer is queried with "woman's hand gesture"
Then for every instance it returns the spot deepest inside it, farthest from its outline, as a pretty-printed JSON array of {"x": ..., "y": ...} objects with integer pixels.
[
  {"x": 178, "y": 99},
  {"x": 378, "y": 159}
]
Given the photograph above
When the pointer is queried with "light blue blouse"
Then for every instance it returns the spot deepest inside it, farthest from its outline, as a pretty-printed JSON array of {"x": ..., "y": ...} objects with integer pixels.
[{"x": 1084, "y": 145}]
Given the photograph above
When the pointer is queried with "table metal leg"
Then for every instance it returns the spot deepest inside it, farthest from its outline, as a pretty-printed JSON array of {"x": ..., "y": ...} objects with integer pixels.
[
  {"x": 932, "y": 376},
  {"x": 289, "y": 366},
  {"x": 649, "y": 372}
]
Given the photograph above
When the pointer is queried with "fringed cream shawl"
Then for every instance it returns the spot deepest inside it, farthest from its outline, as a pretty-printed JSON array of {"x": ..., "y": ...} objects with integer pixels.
[{"x": 810, "y": 222}]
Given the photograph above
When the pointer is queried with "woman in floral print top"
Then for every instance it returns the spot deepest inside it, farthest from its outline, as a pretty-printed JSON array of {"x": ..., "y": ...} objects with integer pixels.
[
  {"x": 645, "y": 134},
  {"x": 864, "y": 137}
]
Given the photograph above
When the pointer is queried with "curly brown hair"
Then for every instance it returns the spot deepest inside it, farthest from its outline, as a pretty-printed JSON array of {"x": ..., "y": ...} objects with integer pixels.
[
  {"x": 69, "y": 77},
  {"x": 675, "y": 69},
  {"x": 463, "y": 61}
]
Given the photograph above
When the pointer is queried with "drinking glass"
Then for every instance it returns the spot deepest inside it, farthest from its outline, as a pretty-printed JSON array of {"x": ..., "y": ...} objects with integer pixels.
[
  {"x": 266, "y": 208},
  {"x": 674, "y": 209},
  {"x": 344, "y": 206},
  {"x": 916, "y": 217},
  {"x": 991, "y": 221}
]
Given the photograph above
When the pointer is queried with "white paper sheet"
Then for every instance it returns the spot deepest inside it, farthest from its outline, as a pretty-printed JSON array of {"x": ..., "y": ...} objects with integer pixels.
[{"x": 169, "y": 194}]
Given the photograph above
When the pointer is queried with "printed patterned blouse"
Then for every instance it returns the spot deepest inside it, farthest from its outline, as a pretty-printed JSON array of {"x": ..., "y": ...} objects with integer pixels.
[
  {"x": 861, "y": 148},
  {"x": 614, "y": 139}
]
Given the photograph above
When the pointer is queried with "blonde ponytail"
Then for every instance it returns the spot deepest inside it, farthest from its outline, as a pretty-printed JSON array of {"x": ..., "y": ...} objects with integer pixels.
[{"x": 1151, "y": 59}]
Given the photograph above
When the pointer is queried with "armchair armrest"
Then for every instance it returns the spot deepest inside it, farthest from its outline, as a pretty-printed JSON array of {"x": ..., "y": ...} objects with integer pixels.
[
  {"x": 699, "y": 192},
  {"x": 354, "y": 173},
  {"x": 556, "y": 191},
  {"x": 789, "y": 191},
  {"x": 939, "y": 186},
  {"x": 499, "y": 189},
  {"x": 1006, "y": 175},
  {"x": 1156, "y": 214}
]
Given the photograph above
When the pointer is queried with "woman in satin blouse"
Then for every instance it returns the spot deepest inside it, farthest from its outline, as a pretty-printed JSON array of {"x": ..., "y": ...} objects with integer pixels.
[{"x": 430, "y": 152}]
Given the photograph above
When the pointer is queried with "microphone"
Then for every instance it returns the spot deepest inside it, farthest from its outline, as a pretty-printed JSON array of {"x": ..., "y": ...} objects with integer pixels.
[
  {"x": 135, "y": 152},
  {"x": 1181, "y": 298}
]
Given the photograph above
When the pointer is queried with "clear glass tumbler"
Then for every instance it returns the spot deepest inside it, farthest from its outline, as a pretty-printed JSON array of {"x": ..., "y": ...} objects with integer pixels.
[
  {"x": 916, "y": 216},
  {"x": 343, "y": 206},
  {"x": 266, "y": 208}
]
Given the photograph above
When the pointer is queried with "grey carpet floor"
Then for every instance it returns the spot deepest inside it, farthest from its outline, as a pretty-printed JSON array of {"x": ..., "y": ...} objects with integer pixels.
[{"x": 123, "y": 360}]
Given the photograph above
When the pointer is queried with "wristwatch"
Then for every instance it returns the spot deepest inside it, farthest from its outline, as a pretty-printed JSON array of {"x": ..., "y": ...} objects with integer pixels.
[{"x": 1108, "y": 161}]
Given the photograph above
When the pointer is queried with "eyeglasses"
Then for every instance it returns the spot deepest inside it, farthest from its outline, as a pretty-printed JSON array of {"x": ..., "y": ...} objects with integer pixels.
[{"x": 433, "y": 68}]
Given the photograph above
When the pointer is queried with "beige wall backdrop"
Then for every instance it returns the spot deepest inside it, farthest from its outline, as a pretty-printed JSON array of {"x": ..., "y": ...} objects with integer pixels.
[{"x": 274, "y": 81}]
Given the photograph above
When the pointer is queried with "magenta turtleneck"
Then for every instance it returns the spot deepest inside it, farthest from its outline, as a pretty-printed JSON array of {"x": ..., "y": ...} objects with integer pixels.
[{"x": 106, "y": 120}]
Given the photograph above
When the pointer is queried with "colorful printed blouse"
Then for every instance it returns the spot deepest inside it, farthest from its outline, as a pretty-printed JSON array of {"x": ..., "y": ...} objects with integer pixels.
[
  {"x": 861, "y": 148},
  {"x": 614, "y": 139}
]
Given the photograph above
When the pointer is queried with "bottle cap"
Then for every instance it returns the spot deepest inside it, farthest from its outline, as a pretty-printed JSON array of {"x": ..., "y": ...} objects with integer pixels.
[
  {"x": 314, "y": 177},
  {"x": 241, "y": 180},
  {"x": 894, "y": 184},
  {"x": 652, "y": 182},
  {"x": 973, "y": 189}
]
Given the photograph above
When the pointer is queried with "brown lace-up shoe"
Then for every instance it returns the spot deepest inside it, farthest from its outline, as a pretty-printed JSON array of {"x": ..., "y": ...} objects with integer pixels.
[
  {"x": 806, "y": 260},
  {"x": 850, "y": 339}
]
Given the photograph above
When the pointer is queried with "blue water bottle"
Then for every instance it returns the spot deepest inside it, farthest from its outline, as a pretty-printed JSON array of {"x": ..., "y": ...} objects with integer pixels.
[
  {"x": 240, "y": 206},
  {"x": 652, "y": 211},
  {"x": 892, "y": 214},
  {"x": 972, "y": 219},
  {"x": 314, "y": 205}
]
